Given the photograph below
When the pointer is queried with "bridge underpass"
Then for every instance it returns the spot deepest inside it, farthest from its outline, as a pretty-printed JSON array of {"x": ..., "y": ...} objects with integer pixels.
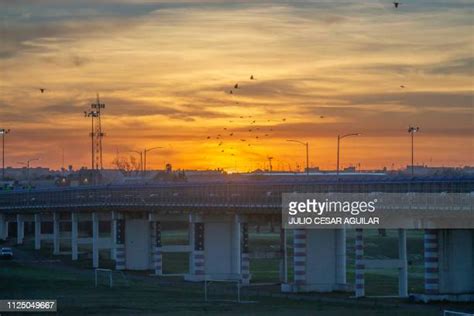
[{"x": 218, "y": 246}]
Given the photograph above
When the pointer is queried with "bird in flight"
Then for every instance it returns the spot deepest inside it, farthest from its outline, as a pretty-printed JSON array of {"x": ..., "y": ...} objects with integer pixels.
[{"x": 396, "y": 4}]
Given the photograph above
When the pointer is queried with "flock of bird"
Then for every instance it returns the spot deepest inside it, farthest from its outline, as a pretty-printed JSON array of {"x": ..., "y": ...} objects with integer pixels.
[{"x": 249, "y": 135}]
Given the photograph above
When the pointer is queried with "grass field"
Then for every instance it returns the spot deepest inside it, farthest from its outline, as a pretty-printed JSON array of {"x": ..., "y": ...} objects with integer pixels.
[
  {"x": 77, "y": 295},
  {"x": 71, "y": 283}
]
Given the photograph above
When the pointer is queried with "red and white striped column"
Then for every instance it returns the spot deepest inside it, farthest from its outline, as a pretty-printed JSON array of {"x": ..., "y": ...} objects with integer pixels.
[
  {"x": 431, "y": 250},
  {"x": 359, "y": 265},
  {"x": 299, "y": 256},
  {"x": 156, "y": 247},
  {"x": 198, "y": 253},
  {"x": 245, "y": 257},
  {"x": 120, "y": 245}
]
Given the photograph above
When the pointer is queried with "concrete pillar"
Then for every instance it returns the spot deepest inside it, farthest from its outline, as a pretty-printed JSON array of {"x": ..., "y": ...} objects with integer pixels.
[
  {"x": 198, "y": 250},
  {"x": 37, "y": 231},
  {"x": 431, "y": 252},
  {"x": 299, "y": 256},
  {"x": 236, "y": 245},
  {"x": 156, "y": 247},
  {"x": 245, "y": 254},
  {"x": 283, "y": 257},
  {"x": 56, "y": 234},
  {"x": 3, "y": 228},
  {"x": 359, "y": 265},
  {"x": 113, "y": 236},
  {"x": 20, "y": 229},
  {"x": 120, "y": 244},
  {"x": 95, "y": 240},
  {"x": 6, "y": 233},
  {"x": 318, "y": 260},
  {"x": 74, "y": 236},
  {"x": 341, "y": 256},
  {"x": 403, "y": 270}
]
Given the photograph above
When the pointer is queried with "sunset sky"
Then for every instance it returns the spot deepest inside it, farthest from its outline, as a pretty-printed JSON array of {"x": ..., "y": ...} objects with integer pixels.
[{"x": 164, "y": 69}]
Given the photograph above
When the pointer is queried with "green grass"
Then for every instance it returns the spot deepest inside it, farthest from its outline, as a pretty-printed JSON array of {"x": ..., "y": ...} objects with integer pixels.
[
  {"x": 72, "y": 282},
  {"x": 77, "y": 295}
]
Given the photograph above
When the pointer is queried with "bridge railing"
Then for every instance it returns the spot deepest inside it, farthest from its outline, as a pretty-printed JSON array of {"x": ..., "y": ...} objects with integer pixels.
[{"x": 214, "y": 194}]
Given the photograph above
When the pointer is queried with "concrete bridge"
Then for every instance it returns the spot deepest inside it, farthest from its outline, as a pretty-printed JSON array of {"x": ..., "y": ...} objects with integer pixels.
[{"x": 126, "y": 221}]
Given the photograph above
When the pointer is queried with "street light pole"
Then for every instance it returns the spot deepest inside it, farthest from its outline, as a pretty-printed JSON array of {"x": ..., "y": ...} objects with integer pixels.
[
  {"x": 3, "y": 132},
  {"x": 145, "y": 151},
  {"x": 27, "y": 164},
  {"x": 339, "y": 137},
  {"x": 306, "y": 144},
  {"x": 412, "y": 130}
]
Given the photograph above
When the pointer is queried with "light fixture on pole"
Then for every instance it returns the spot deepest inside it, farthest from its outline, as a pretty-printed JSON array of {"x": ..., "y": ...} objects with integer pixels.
[
  {"x": 339, "y": 137},
  {"x": 145, "y": 151},
  {"x": 306, "y": 144},
  {"x": 27, "y": 164},
  {"x": 3, "y": 132},
  {"x": 412, "y": 130}
]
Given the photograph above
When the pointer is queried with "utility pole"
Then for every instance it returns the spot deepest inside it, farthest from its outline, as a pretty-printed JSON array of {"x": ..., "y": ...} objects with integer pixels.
[
  {"x": 3, "y": 132},
  {"x": 145, "y": 151},
  {"x": 27, "y": 164},
  {"x": 306, "y": 144},
  {"x": 339, "y": 137},
  {"x": 412, "y": 130},
  {"x": 270, "y": 163}
]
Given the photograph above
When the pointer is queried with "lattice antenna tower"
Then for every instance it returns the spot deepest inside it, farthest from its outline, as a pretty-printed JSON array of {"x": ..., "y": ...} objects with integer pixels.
[{"x": 96, "y": 133}]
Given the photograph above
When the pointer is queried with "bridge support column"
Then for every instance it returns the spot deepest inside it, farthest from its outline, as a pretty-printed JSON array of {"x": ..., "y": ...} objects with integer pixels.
[
  {"x": 95, "y": 240},
  {"x": 284, "y": 257},
  {"x": 197, "y": 272},
  {"x": 318, "y": 256},
  {"x": 431, "y": 252},
  {"x": 449, "y": 265},
  {"x": 244, "y": 240},
  {"x": 359, "y": 263},
  {"x": 113, "y": 235},
  {"x": 3, "y": 227},
  {"x": 299, "y": 256},
  {"x": 403, "y": 270},
  {"x": 155, "y": 230},
  {"x": 120, "y": 243},
  {"x": 20, "y": 229},
  {"x": 56, "y": 234},
  {"x": 37, "y": 231},
  {"x": 74, "y": 236},
  {"x": 219, "y": 249},
  {"x": 341, "y": 256}
]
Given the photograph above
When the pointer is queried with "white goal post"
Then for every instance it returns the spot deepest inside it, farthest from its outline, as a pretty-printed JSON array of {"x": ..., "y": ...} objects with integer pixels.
[{"x": 105, "y": 271}]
